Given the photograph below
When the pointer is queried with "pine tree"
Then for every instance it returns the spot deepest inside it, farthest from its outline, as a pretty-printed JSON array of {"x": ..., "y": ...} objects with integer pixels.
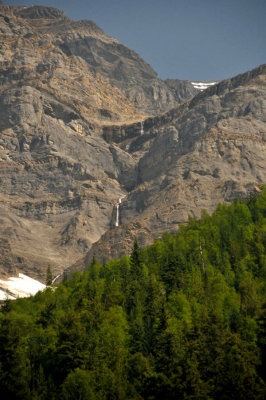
[
  {"x": 136, "y": 261},
  {"x": 49, "y": 276}
]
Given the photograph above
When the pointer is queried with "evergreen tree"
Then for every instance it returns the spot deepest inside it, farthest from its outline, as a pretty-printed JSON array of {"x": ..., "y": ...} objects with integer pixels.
[
  {"x": 49, "y": 276},
  {"x": 136, "y": 260},
  {"x": 182, "y": 319}
]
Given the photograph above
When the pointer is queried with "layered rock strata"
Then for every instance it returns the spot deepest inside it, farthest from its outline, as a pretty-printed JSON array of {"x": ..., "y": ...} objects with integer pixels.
[
  {"x": 78, "y": 132},
  {"x": 208, "y": 150}
]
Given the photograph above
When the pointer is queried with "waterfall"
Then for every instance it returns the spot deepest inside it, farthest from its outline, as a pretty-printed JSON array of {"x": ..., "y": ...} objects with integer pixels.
[
  {"x": 117, "y": 215},
  {"x": 55, "y": 279},
  {"x": 117, "y": 212},
  {"x": 142, "y": 128}
]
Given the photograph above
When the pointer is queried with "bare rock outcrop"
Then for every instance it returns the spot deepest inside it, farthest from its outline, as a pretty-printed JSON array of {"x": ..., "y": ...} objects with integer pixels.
[
  {"x": 206, "y": 151},
  {"x": 95, "y": 150}
]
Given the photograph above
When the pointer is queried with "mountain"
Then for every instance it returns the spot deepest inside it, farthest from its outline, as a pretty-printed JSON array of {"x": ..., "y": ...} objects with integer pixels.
[
  {"x": 89, "y": 51},
  {"x": 60, "y": 179},
  {"x": 211, "y": 149},
  {"x": 85, "y": 123}
]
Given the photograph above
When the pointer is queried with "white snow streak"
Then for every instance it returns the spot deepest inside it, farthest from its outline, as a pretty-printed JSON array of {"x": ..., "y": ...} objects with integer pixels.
[{"x": 202, "y": 85}]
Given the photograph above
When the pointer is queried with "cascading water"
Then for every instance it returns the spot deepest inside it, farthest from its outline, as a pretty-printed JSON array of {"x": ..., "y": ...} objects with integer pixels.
[
  {"x": 117, "y": 215},
  {"x": 142, "y": 128},
  {"x": 117, "y": 212},
  {"x": 55, "y": 279}
]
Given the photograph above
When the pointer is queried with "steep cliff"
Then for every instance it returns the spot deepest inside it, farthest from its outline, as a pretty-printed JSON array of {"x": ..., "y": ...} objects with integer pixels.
[
  {"x": 58, "y": 177},
  {"x": 208, "y": 150},
  {"x": 85, "y": 165},
  {"x": 101, "y": 55}
]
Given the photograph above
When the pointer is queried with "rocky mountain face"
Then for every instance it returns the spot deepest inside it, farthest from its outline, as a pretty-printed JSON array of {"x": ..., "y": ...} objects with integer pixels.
[
  {"x": 53, "y": 34},
  {"x": 59, "y": 89},
  {"x": 95, "y": 150},
  {"x": 208, "y": 150}
]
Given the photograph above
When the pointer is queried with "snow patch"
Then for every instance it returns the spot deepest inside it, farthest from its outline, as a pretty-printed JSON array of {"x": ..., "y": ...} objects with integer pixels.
[
  {"x": 21, "y": 286},
  {"x": 202, "y": 85},
  {"x": 6, "y": 296}
]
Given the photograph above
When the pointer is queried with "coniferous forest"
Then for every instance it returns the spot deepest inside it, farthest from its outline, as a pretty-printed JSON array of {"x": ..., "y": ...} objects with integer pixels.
[{"x": 184, "y": 318}]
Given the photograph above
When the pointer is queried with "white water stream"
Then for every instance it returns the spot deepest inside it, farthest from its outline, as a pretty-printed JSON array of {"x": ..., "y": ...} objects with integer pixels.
[
  {"x": 55, "y": 279},
  {"x": 117, "y": 212},
  {"x": 117, "y": 218},
  {"x": 142, "y": 128}
]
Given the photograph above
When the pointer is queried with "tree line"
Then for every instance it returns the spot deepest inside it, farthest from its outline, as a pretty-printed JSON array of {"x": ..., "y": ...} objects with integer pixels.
[{"x": 184, "y": 318}]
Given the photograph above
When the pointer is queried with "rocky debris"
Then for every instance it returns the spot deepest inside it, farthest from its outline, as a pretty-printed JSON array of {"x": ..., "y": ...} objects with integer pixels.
[{"x": 10, "y": 263}]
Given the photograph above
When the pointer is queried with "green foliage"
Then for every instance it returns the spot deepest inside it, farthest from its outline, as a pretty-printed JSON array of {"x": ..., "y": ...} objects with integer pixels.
[
  {"x": 78, "y": 386},
  {"x": 182, "y": 319},
  {"x": 49, "y": 276}
]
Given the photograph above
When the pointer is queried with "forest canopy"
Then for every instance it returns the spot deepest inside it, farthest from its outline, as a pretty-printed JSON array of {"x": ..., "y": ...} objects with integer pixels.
[{"x": 184, "y": 318}]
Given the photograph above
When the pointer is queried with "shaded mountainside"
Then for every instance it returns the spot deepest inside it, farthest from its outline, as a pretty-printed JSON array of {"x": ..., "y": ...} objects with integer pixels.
[{"x": 74, "y": 139}]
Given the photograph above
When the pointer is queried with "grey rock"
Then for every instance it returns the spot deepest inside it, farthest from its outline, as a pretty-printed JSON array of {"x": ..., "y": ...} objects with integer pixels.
[
  {"x": 78, "y": 132},
  {"x": 207, "y": 151}
]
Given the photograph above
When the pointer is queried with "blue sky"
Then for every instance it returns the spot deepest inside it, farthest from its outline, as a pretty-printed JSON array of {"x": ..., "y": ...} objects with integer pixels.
[{"x": 185, "y": 39}]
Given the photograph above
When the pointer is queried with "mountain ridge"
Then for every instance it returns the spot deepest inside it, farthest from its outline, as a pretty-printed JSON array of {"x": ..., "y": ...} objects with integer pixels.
[
  {"x": 74, "y": 141},
  {"x": 210, "y": 137}
]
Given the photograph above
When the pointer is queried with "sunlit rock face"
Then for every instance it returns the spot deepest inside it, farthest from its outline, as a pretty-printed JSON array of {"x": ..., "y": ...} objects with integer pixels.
[
  {"x": 208, "y": 150},
  {"x": 84, "y": 122},
  {"x": 62, "y": 84}
]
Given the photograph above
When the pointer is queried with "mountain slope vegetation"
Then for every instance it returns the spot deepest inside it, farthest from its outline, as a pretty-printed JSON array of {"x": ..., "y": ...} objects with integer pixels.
[{"x": 183, "y": 318}]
